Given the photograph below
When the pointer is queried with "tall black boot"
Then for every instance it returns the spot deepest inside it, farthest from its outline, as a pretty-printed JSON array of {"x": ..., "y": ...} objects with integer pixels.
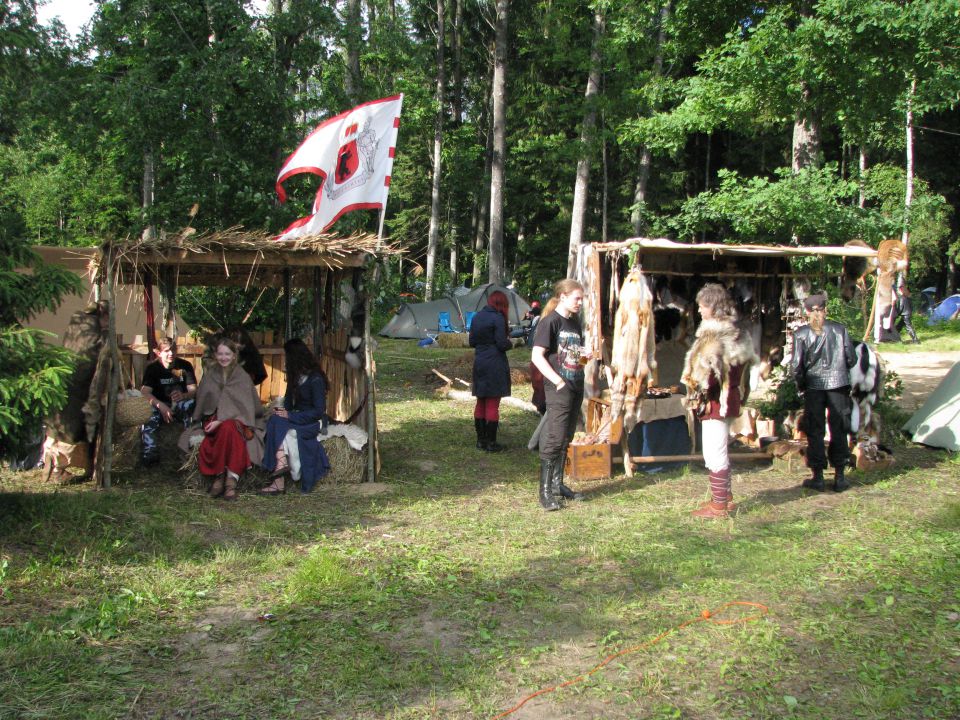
[
  {"x": 492, "y": 444},
  {"x": 481, "y": 427},
  {"x": 547, "y": 501},
  {"x": 557, "y": 486},
  {"x": 815, "y": 481},
  {"x": 839, "y": 481}
]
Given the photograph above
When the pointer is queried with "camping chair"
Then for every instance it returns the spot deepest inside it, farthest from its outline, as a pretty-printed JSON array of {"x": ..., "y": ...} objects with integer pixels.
[
  {"x": 443, "y": 323},
  {"x": 468, "y": 320}
]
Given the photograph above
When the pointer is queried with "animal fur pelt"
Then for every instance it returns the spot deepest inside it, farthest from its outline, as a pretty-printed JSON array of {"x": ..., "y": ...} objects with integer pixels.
[
  {"x": 866, "y": 382},
  {"x": 633, "y": 362},
  {"x": 719, "y": 345},
  {"x": 588, "y": 272},
  {"x": 891, "y": 259}
]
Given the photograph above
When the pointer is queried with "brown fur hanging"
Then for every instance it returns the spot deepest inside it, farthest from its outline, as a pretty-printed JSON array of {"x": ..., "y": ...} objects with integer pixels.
[{"x": 633, "y": 361}]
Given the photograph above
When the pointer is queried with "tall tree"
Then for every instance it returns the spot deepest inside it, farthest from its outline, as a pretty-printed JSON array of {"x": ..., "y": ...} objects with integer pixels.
[
  {"x": 587, "y": 138},
  {"x": 499, "y": 156},
  {"x": 433, "y": 244}
]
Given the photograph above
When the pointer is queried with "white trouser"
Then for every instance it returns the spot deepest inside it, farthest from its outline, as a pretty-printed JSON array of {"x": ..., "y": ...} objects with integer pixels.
[{"x": 715, "y": 437}]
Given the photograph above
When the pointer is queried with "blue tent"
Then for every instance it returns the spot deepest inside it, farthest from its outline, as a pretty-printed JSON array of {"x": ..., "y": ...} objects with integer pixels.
[{"x": 946, "y": 310}]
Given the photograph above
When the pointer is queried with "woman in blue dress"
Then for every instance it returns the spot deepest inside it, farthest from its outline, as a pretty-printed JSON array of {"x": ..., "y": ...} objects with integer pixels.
[{"x": 292, "y": 451}]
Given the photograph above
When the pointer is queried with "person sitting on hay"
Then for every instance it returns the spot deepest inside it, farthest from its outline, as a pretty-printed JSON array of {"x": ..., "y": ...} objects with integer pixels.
[
  {"x": 230, "y": 430},
  {"x": 292, "y": 447},
  {"x": 170, "y": 385}
]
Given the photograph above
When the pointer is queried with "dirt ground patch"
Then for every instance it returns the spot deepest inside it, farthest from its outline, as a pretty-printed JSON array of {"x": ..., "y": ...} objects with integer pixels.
[{"x": 920, "y": 371}]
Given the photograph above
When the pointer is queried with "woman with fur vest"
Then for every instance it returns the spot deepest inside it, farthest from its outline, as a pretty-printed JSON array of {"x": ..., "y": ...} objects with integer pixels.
[{"x": 716, "y": 375}]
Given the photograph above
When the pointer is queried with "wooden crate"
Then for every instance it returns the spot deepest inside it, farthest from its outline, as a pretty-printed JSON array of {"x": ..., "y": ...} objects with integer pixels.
[{"x": 589, "y": 462}]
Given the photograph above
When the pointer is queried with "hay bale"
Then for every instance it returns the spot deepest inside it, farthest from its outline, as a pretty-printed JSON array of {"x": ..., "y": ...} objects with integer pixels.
[
  {"x": 132, "y": 411},
  {"x": 453, "y": 340},
  {"x": 347, "y": 466}
]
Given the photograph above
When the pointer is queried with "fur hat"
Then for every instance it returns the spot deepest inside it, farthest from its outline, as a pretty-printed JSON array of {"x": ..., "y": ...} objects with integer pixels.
[{"x": 815, "y": 301}]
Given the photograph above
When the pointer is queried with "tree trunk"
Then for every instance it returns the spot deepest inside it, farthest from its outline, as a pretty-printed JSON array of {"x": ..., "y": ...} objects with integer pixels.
[
  {"x": 456, "y": 42},
  {"x": 149, "y": 230},
  {"x": 483, "y": 212},
  {"x": 587, "y": 133},
  {"x": 908, "y": 197},
  {"x": 454, "y": 257},
  {"x": 353, "y": 34},
  {"x": 498, "y": 166},
  {"x": 862, "y": 180},
  {"x": 646, "y": 158},
  {"x": 806, "y": 136},
  {"x": 433, "y": 242}
]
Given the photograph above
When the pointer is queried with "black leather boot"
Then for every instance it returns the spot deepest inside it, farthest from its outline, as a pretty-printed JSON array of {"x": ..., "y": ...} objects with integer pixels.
[
  {"x": 815, "y": 481},
  {"x": 547, "y": 501},
  {"x": 480, "y": 425},
  {"x": 492, "y": 444},
  {"x": 839, "y": 481},
  {"x": 557, "y": 486}
]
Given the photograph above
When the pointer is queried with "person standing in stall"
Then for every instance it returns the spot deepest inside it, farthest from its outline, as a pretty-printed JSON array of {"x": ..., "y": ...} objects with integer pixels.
[
  {"x": 715, "y": 372},
  {"x": 559, "y": 354},
  {"x": 491, "y": 370}
]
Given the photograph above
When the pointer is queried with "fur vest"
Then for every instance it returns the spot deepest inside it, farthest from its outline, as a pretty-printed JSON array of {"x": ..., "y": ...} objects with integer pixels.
[{"x": 715, "y": 369}]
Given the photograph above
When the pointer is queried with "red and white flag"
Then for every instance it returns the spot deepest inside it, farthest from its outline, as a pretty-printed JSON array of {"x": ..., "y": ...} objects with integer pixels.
[{"x": 353, "y": 155}]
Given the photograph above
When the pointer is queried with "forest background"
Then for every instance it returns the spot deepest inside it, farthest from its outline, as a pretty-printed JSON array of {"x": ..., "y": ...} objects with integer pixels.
[{"x": 527, "y": 128}]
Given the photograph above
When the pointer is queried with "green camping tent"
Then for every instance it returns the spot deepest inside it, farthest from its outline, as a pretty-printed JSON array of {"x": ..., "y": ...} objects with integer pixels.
[{"x": 937, "y": 422}]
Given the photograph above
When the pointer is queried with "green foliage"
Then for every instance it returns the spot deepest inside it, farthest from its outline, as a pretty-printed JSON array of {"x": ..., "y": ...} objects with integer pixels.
[
  {"x": 785, "y": 398},
  {"x": 811, "y": 207},
  {"x": 33, "y": 374}
]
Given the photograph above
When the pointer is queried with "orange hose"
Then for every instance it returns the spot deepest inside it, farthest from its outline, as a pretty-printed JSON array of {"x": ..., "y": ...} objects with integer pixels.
[{"x": 704, "y": 616}]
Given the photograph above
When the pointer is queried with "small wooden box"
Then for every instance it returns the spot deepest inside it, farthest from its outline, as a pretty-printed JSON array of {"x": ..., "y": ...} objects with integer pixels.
[{"x": 589, "y": 462}]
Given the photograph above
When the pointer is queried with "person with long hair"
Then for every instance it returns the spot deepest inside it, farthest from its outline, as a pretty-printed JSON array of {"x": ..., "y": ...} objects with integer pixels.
[
  {"x": 227, "y": 409},
  {"x": 292, "y": 449},
  {"x": 491, "y": 370},
  {"x": 822, "y": 357},
  {"x": 559, "y": 354},
  {"x": 715, "y": 372}
]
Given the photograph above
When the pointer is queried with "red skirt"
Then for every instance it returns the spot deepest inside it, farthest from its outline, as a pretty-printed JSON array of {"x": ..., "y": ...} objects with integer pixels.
[{"x": 224, "y": 449}]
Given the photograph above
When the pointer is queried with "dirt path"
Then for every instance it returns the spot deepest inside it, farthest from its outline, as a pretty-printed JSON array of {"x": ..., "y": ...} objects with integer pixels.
[{"x": 920, "y": 371}]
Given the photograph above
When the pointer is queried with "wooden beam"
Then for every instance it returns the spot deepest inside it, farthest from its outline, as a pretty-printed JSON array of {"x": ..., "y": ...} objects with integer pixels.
[{"x": 258, "y": 258}]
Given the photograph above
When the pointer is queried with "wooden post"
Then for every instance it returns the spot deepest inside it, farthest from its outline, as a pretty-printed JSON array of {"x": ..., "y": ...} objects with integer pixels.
[
  {"x": 107, "y": 445},
  {"x": 317, "y": 299},
  {"x": 371, "y": 277},
  {"x": 287, "y": 319}
]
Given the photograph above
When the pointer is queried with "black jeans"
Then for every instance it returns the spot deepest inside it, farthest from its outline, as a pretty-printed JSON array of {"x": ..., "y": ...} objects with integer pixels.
[
  {"x": 563, "y": 412},
  {"x": 822, "y": 407}
]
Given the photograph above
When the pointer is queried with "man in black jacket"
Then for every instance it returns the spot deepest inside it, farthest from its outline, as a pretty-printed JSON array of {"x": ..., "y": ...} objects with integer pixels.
[{"x": 822, "y": 357}]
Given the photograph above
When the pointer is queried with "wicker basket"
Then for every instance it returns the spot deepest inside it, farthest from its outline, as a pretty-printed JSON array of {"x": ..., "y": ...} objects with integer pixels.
[{"x": 132, "y": 411}]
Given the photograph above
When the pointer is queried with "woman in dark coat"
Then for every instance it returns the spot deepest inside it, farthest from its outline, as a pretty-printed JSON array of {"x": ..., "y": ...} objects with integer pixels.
[
  {"x": 491, "y": 371},
  {"x": 293, "y": 428}
]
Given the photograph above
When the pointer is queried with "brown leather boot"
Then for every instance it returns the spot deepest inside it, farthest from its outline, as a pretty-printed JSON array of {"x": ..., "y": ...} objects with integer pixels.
[
  {"x": 230, "y": 491},
  {"x": 216, "y": 489},
  {"x": 711, "y": 510}
]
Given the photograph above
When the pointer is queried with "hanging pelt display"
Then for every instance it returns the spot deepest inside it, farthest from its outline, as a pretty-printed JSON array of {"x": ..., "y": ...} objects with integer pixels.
[
  {"x": 891, "y": 260},
  {"x": 634, "y": 362},
  {"x": 588, "y": 271},
  {"x": 866, "y": 382}
]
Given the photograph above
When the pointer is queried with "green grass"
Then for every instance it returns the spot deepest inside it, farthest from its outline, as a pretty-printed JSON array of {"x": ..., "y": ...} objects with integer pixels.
[
  {"x": 939, "y": 337},
  {"x": 446, "y": 592}
]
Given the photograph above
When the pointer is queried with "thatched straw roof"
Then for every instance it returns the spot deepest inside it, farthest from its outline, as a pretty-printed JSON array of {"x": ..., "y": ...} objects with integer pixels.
[{"x": 242, "y": 257}]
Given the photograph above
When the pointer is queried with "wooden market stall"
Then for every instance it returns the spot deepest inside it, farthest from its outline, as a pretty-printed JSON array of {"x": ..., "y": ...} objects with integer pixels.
[
  {"x": 336, "y": 271},
  {"x": 622, "y": 281}
]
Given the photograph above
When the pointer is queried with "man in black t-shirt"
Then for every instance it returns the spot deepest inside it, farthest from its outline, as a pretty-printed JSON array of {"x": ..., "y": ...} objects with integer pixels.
[{"x": 171, "y": 386}]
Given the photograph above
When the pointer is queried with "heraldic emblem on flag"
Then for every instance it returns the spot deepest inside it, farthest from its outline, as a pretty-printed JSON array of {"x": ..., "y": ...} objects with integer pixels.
[{"x": 353, "y": 154}]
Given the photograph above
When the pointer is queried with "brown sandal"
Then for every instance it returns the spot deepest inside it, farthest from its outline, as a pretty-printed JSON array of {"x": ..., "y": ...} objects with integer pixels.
[{"x": 218, "y": 486}]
